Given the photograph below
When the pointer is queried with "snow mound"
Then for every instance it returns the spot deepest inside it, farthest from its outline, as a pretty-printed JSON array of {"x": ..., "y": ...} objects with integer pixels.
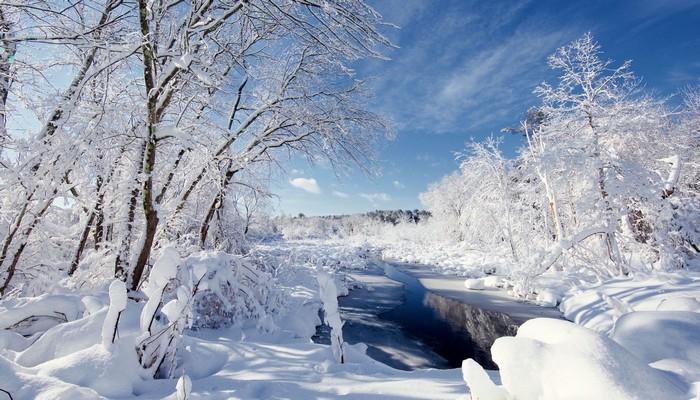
[
  {"x": 64, "y": 339},
  {"x": 31, "y": 315},
  {"x": 548, "y": 298},
  {"x": 201, "y": 359},
  {"x": 494, "y": 281},
  {"x": 681, "y": 303},
  {"x": 24, "y": 384},
  {"x": 109, "y": 373},
  {"x": 474, "y": 284},
  {"x": 480, "y": 385},
  {"x": 598, "y": 306},
  {"x": 556, "y": 359},
  {"x": 654, "y": 336}
]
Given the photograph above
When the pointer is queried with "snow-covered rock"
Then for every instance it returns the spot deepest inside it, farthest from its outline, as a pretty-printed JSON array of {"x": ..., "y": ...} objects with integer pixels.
[
  {"x": 548, "y": 298},
  {"x": 474, "y": 284},
  {"x": 556, "y": 359}
]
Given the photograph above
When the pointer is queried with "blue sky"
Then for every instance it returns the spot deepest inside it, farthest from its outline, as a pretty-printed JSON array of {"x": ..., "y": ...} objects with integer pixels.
[{"x": 466, "y": 68}]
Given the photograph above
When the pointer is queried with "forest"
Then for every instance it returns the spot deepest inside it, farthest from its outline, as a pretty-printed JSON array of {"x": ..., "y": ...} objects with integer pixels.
[{"x": 139, "y": 138}]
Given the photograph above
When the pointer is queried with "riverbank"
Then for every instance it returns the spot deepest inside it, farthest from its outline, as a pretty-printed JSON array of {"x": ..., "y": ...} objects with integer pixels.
[
  {"x": 489, "y": 298},
  {"x": 410, "y": 317},
  {"x": 653, "y": 318}
]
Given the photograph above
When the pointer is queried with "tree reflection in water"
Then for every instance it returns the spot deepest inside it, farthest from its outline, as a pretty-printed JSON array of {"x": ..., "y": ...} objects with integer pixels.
[
  {"x": 454, "y": 330},
  {"x": 407, "y": 327},
  {"x": 483, "y": 327}
]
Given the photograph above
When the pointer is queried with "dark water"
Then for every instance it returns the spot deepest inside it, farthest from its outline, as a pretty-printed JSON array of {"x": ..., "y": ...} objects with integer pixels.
[
  {"x": 407, "y": 327},
  {"x": 454, "y": 330}
]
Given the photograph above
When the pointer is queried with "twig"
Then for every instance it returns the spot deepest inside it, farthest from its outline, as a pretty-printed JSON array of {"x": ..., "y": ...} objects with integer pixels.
[{"x": 7, "y": 393}]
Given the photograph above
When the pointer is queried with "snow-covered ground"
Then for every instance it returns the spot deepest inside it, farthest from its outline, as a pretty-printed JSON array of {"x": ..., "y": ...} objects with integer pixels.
[{"x": 633, "y": 338}]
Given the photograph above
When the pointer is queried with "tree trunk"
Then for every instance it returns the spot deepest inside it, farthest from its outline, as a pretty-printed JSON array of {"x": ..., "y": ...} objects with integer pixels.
[
  {"x": 121, "y": 266},
  {"x": 9, "y": 47},
  {"x": 18, "y": 254},
  {"x": 81, "y": 245},
  {"x": 215, "y": 206},
  {"x": 153, "y": 112}
]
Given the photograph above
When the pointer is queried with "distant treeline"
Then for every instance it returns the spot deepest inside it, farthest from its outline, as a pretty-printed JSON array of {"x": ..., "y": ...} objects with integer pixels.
[{"x": 393, "y": 217}]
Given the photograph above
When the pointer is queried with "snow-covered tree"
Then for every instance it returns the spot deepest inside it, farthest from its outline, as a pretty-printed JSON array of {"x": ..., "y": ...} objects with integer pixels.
[
  {"x": 605, "y": 182},
  {"x": 447, "y": 200},
  {"x": 172, "y": 109}
]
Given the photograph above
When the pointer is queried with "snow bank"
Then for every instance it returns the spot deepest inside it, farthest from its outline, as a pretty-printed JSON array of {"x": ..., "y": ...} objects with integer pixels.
[
  {"x": 24, "y": 384},
  {"x": 597, "y": 307},
  {"x": 30, "y": 315},
  {"x": 109, "y": 373},
  {"x": 63, "y": 340},
  {"x": 556, "y": 359},
  {"x": 670, "y": 340}
]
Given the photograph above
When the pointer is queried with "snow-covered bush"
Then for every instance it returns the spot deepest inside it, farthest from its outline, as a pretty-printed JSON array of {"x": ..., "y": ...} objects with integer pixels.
[
  {"x": 329, "y": 296},
  {"x": 34, "y": 315},
  {"x": 117, "y": 304},
  {"x": 233, "y": 288},
  {"x": 206, "y": 290}
]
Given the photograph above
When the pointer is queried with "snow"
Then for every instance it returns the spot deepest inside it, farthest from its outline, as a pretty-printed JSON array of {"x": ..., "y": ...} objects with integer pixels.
[
  {"x": 548, "y": 298},
  {"x": 46, "y": 310},
  {"x": 329, "y": 296},
  {"x": 164, "y": 270},
  {"x": 555, "y": 359},
  {"x": 474, "y": 284},
  {"x": 631, "y": 338},
  {"x": 480, "y": 384},
  {"x": 183, "y": 387},
  {"x": 117, "y": 304},
  {"x": 656, "y": 336}
]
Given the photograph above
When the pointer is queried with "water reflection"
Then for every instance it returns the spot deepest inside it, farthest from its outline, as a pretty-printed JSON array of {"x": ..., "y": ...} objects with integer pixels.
[
  {"x": 454, "y": 330},
  {"x": 407, "y": 327},
  {"x": 482, "y": 327}
]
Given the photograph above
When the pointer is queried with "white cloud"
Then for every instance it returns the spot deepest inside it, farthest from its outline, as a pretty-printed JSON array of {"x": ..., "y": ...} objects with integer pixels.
[
  {"x": 376, "y": 197},
  {"x": 308, "y": 185},
  {"x": 399, "y": 185},
  {"x": 340, "y": 194}
]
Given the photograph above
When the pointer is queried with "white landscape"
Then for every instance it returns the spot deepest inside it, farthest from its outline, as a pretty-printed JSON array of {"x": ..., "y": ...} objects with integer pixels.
[
  {"x": 142, "y": 145},
  {"x": 648, "y": 349}
]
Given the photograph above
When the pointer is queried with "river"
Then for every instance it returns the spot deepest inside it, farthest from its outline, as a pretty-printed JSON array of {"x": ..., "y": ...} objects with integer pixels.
[{"x": 411, "y": 317}]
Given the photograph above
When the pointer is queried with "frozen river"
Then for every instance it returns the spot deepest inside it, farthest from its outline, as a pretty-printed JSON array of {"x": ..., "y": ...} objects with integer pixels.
[{"x": 410, "y": 317}]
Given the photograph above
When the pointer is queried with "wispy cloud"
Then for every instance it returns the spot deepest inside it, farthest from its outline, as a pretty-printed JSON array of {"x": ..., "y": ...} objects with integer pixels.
[
  {"x": 496, "y": 79},
  {"x": 376, "y": 197},
  {"x": 398, "y": 185},
  {"x": 342, "y": 195},
  {"x": 439, "y": 84},
  {"x": 309, "y": 185}
]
